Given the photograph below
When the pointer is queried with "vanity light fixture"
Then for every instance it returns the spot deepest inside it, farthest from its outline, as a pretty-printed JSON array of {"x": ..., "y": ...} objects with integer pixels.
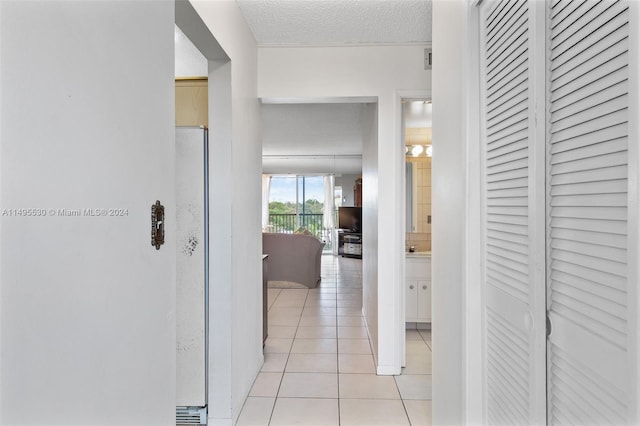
[{"x": 418, "y": 150}]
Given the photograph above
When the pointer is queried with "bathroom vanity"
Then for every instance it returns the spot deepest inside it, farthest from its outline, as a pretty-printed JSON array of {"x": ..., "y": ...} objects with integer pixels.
[{"x": 418, "y": 287}]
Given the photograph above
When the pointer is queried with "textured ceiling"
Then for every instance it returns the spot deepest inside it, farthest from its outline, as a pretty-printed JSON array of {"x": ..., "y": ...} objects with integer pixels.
[
  {"x": 312, "y": 138},
  {"x": 337, "y": 22},
  {"x": 312, "y": 129}
]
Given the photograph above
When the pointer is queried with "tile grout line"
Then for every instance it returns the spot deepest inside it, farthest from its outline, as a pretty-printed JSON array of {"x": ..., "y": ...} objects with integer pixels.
[
  {"x": 273, "y": 407},
  {"x": 335, "y": 295},
  {"x": 404, "y": 406},
  {"x": 337, "y": 352},
  {"x": 275, "y": 399},
  {"x": 288, "y": 355}
]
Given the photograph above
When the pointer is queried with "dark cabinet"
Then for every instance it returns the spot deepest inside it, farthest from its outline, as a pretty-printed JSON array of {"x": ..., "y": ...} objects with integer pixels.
[{"x": 350, "y": 244}]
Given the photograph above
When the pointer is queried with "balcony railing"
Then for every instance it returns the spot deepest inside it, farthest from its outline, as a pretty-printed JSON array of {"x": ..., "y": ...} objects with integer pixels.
[{"x": 287, "y": 223}]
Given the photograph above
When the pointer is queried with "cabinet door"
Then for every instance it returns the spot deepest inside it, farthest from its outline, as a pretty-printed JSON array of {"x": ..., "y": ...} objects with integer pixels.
[
  {"x": 411, "y": 301},
  {"x": 192, "y": 102},
  {"x": 424, "y": 300}
]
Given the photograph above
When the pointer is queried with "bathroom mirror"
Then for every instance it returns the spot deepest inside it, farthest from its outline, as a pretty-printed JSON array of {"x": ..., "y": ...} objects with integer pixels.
[
  {"x": 416, "y": 130},
  {"x": 411, "y": 196}
]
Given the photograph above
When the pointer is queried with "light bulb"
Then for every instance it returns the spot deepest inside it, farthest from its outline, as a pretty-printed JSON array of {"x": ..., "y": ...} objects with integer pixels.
[
  {"x": 416, "y": 150},
  {"x": 429, "y": 150}
]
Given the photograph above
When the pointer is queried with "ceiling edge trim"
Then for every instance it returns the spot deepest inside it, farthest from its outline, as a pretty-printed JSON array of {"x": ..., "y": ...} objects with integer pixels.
[
  {"x": 320, "y": 100},
  {"x": 310, "y": 156},
  {"x": 312, "y": 45}
]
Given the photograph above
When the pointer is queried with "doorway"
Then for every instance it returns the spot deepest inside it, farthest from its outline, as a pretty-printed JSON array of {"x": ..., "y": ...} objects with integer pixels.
[{"x": 416, "y": 143}]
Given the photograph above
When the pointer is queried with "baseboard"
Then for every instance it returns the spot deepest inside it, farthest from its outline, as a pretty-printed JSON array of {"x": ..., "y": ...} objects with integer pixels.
[
  {"x": 385, "y": 370},
  {"x": 219, "y": 422},
  {"x": 417, "y": 326}
]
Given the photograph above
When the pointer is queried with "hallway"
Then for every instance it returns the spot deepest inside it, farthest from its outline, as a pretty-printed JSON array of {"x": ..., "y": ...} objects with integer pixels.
[{"x": 319, "y": 367}]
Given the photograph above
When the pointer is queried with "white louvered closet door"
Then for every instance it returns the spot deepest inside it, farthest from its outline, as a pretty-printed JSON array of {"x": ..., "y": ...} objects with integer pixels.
[
  {"x": 513, "y": 266},
  {"x": 588, "y": 354}
]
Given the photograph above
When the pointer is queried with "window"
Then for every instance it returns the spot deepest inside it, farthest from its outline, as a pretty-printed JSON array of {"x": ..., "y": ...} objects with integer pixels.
[{"x": 297, "y": 201}]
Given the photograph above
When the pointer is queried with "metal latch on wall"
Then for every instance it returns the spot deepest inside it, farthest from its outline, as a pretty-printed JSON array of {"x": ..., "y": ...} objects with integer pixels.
[
  {"x": 157, "y": 225},
  {"x": 428, "y": 60}
]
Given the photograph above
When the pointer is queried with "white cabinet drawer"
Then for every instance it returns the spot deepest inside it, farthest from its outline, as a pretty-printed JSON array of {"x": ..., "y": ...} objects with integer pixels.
[{"x": 419, "y": 268}]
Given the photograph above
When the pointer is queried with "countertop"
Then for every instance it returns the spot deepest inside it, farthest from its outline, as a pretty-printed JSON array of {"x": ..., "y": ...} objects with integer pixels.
[{"x": 418, "y": 254}]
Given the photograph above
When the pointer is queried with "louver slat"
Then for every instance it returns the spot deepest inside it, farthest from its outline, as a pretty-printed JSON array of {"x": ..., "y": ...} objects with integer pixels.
[
  {"x": 608, "y": 48},
  {"x": 603, "y": 25},
  {"x": 595, "y": 238},
  {"x": 588, "y": 213},
  {"x": 498, "y": 95},
  {"x": 508, "y": 105},
  {"x": 586, "y": 17},
  {"x": 505, "y": 8},
  {"x": 564, "y": 9},
  {"x": 593, "y": 81},
  {"x": 584, "y": 12},
  {"x": 577, "y": 117},
  {"x": 517, "y": 48},
  {"x": 507, "y": 51},
  {"x": 610, "y": 132}
]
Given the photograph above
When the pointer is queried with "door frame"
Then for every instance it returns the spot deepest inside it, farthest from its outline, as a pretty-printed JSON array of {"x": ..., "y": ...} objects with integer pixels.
[
  {"x": 219, "y": 378},
  {"x": 634, "y": 205},
  {"x": 400, "y": 96},
  {"x": 474, "y": 388}
]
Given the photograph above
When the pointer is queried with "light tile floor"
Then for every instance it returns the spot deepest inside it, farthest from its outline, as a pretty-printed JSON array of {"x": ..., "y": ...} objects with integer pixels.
[{"x": 319, "y": 368}]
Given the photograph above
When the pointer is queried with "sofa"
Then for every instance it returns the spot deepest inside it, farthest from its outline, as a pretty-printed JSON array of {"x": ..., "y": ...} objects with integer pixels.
[{"x": 293, "y": 258}]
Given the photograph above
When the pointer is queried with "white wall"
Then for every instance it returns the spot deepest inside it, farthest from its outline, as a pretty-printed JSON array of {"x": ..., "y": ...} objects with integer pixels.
[
  {"x": 370, "y": 221},
  {"x": 236, "y": 245},
  {"x": 320, "y": 72},
  {"x": 88, "y": 305},
  {"x": 448, "y": 198},
  {"x": 378, "y": 71},
  {"x": 189, "y": 61}
]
